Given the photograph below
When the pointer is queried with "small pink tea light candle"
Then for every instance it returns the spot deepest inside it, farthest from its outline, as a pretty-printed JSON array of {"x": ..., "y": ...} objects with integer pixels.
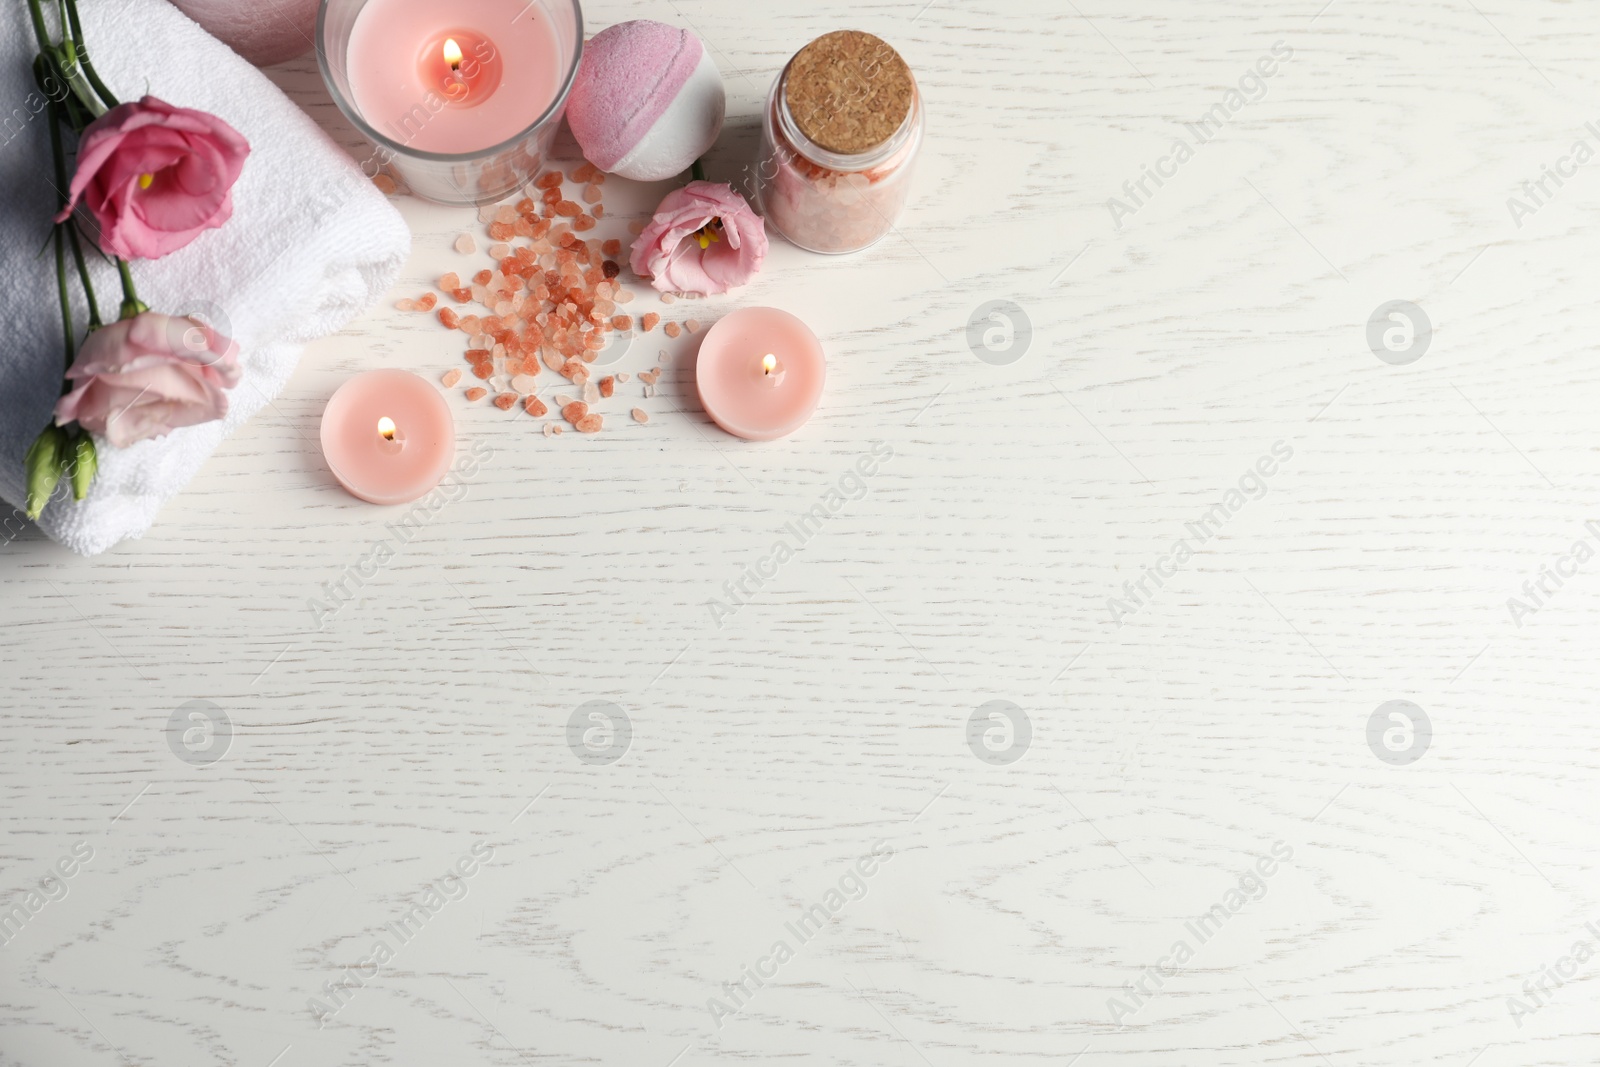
[
  {"x": 388, "y": 436},
  {"x": 760, "y": 373}
]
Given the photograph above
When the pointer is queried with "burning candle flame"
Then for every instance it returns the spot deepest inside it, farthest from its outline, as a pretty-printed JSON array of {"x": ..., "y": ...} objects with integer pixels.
[
  {"x": 386, "y": 428},
  {"x": 769, "y": 364},
  {"x": 452, "y": 53}
]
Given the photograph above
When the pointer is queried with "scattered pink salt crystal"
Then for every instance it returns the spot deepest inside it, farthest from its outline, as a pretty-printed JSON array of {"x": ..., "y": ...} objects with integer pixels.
[
  {"x": 505, "y": 213},
  {"x": 450, "y": 282},
  {"x": 384, "y": 183},
  {"x": 668, "y": 298},
  {"x": 591, "y": 194},
  {"x": 476, "y": 393},
  {"x": 550, "y": 429},
  {"x": 591, "y": 393},
  {"x": 406, "y": 304},
  {"x": 466, "y": 245},
  {"x": 672, "y": 330},
  {"x": 450, "y": 378},
  {"x": 622, "y": 377},
  {"x": 524, "y": 383},
  {"x": 589, "y": 424},
  {"x": 693, "y": 326},
  {"x": 500, "y": 250},
  {"x": 625, "y": 296},
  {"x": 640, "y": 415},
  {"x": 636, "y": 227}
]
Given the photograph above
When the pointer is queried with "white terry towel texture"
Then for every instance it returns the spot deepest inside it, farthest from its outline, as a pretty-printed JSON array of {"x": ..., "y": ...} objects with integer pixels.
[{"x": 312, "y": 244}]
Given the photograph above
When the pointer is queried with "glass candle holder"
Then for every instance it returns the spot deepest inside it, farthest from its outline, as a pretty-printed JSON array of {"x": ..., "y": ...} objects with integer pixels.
[
  {"x": 461, "y": 100},
  {"x": 841, "y": 133}
]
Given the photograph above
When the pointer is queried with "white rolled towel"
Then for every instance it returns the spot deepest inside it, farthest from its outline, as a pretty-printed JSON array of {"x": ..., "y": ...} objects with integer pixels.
[{"x": 312, "y": 243}]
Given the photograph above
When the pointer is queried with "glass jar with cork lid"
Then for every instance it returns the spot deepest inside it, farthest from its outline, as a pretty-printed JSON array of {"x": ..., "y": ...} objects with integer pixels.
[{"x": 840, "y": 138}]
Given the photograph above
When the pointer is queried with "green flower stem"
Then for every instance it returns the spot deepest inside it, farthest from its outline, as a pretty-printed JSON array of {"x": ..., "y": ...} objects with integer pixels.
[
  {"x": 60, "y": 159},
  {"x": 106, "y": 95},
  {"x": 83, "y": 276},
  {"x": 58, "y": 154},
  {"x": 698, "y": 171},
  {"x": 82, "y": 91},
  {"x": 63, "y": 60},
  {"x": 131, "y": 304},
  {"x": 66, "y": 302},
  {"x": 39, "y": 31}
]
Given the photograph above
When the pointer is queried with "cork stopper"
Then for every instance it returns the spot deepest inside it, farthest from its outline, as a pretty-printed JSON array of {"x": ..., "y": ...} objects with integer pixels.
[{"x": 849, "y": 91}]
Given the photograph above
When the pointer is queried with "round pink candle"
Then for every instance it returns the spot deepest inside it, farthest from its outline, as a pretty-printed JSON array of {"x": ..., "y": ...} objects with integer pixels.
[
  {"x": 760, "y": 373},
  {"x": 388, "y": 436},
  {"x": 411, "y": 85}
]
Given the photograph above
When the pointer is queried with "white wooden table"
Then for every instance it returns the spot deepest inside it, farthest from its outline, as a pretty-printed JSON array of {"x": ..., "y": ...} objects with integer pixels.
[{"x": 612, "y": 908}]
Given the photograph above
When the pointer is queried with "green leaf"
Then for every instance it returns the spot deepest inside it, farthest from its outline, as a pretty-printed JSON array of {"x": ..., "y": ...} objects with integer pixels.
[
  {"x": 85, "y": 462},
  {"x": 46, "y": 463}
]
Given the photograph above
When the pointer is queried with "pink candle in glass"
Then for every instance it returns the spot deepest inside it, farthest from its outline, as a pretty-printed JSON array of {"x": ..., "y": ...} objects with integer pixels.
[
  {"x": 760, "y": 373},
  {"x": 388, "y": 436},
  {"x": 453, "y": 78}
]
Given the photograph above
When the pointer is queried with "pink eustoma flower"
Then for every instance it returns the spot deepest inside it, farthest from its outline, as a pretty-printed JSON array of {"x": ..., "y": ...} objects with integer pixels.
[
  {"x": 704, "y": 238},
  {"x": 154, "y": 177},
  {"x": 146, "y": 376}
]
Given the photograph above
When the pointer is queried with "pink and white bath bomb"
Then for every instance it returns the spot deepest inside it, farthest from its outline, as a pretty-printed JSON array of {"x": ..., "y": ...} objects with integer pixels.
[{"x": 647, "y": 101}]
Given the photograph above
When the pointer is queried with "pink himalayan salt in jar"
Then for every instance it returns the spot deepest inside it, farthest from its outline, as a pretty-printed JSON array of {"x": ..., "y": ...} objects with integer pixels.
[{"x": 840, "y": 138}]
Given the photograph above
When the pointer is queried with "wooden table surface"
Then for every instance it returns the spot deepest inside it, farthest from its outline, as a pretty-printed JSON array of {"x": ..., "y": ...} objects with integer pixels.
[{"x": 1187, "y": 518}]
